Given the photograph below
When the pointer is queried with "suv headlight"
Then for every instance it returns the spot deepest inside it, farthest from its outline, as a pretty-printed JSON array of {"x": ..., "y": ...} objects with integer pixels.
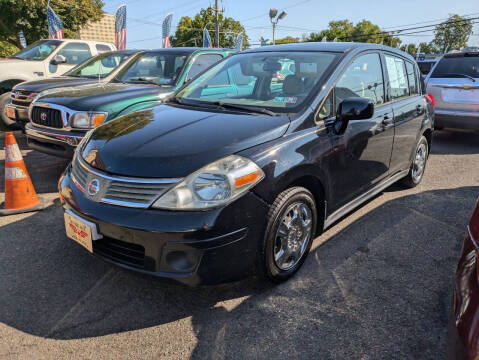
[
  {"x": 87, "y": 120},
  {"x": 214, "y": 185}
]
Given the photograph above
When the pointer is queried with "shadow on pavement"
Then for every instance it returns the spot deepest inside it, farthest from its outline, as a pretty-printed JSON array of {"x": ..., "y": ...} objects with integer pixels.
[
  {"x": 452, "y": 142},
  {"x": 380, "y": 288}
]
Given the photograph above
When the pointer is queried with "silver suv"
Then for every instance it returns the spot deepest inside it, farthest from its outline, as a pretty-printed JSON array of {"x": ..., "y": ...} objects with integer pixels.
[{"x": 454, "y": 85}]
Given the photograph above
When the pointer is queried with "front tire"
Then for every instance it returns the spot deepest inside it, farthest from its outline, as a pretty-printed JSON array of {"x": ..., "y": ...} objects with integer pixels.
[
  {"x": 418, "y": 164},
  {"x": 292, "y": 223}
]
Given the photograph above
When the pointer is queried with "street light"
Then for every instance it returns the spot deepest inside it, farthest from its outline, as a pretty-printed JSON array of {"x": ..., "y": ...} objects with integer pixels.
[{"x": 272, "y": 16}]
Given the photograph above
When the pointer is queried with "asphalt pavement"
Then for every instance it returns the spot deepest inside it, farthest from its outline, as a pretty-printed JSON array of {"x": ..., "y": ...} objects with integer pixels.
[{"x": 376, "y": 285}]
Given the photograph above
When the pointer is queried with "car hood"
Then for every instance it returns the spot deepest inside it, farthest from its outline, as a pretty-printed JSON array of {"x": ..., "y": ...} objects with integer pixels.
[
  {"x": 51, "y": 83},
  {"x": 167, "y": 141},
  {"x": 94, "y": 96}
]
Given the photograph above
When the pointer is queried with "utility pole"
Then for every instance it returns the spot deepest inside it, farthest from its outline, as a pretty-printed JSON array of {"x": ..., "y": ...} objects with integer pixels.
[{"x": 217, "y": 23}]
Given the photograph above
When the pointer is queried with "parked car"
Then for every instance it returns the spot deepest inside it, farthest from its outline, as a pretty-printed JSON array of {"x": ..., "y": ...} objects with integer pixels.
[
  {"x": 98, "y": 69},
  {"x": 463, "y": 327},
  {"x": 59, "y": 120},
  {"x": 209, "y": 187},
  {"x": 454, "y": 85},
  {"x": 43, "y": 59}
]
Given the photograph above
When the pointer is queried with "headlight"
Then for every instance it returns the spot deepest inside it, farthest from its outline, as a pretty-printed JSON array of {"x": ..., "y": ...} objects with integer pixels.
[
  {"x": 214, "y": 185},
  {"x": 87, "y": 120}
]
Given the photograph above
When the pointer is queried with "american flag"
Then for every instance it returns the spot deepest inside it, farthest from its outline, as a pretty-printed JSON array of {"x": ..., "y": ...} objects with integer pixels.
[
  {"x": 207, "y": 43},
  {"x": 55, "y": 26},
  {"x": 23, "y": 41},
  {"x": 120, "y": 28},
  {"x": 238, "y": 45},
  {"x": 166, "y": 28}
]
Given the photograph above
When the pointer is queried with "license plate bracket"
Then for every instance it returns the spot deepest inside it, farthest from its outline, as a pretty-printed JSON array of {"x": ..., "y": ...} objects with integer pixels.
[{"x": 80, "y": 230}]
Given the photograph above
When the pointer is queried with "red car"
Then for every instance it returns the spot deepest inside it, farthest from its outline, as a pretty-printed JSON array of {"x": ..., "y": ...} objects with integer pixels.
[{"x": 464, "y": 327}]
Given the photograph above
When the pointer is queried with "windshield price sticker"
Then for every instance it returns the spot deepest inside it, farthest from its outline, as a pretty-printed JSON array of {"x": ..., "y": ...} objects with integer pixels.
[{"x": 285, "y": 99}]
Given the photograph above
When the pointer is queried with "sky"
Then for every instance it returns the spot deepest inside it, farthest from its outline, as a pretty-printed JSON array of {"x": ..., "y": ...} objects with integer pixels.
[{"x": 303, "y": 16}]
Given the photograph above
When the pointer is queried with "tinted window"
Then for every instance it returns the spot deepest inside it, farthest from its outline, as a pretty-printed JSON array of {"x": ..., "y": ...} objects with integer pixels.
[
  {"x": 75, "y": 53},
  {"x": 397, "y": 77},
  {"x": 99, "y": 66},
  {"x": 203, "y": 62},
  {"x": 425, "y": 66},
  {"x": 102, "y": 48},
  {"x": 326, "y": 110},
  {"x": 457, "y": 66},
  {"x": 412, "y": 79},
  {"x": 363, "y": 78}
]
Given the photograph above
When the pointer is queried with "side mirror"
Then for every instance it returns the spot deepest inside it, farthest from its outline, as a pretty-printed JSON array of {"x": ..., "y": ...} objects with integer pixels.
[
  {"x": 58, "y": 59},
  {"x": 350, "y": 109}
]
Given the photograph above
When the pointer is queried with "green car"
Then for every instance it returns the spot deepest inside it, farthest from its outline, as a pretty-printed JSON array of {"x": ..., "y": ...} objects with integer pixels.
[{"x": 60, "y": 118}]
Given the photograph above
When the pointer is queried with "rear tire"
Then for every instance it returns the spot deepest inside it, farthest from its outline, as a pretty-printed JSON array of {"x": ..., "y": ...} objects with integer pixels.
[
  {"x": 6, "y": 123},
  {"x": 418, "y": 164},
  {"x": 292, "y": 222}
]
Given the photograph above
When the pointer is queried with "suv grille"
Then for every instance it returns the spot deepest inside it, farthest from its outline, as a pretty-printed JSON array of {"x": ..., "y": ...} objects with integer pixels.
[
  {"x": 122, "y": 191},
  {"x": 21, "y": 98},
  {"x": 47, "y": 117}
]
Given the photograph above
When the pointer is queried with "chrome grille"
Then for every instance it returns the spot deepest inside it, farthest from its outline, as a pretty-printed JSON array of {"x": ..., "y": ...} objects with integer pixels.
[
  {"x": 21, "y": 97},
  {"x": 116, "y": 190}
]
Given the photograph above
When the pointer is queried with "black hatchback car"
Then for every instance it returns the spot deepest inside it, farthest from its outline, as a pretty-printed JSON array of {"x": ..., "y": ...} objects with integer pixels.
[{"x": 240, "y": 170}]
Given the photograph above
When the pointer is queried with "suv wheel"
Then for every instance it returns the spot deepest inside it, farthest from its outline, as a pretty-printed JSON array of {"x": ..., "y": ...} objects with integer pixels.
[
  {"x": 418, "y": 164},
  {"x": 292, "y": 222}
]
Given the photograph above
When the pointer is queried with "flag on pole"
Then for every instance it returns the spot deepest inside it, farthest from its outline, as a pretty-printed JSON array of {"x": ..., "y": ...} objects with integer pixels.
[
  {"x": 263, "y": 41},
  {"x": 238, "y": 45},
  {"x": 335, "y": 40},
  {"x": 418, "y": 51},
  {"x": 23, "y": 41},
  {"x": 120, "y": 28},
  {"x": 207, "y": 43},
  {"x": 166, "y": 28},
  {"x": 55, "y": 26},
  {"x": 324, "y": 39}
]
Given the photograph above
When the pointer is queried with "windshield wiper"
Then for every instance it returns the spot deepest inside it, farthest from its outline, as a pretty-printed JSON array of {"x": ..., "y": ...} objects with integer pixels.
[
  {"x": 461, "y": 75},
  {"x": 244, "y": 108},
  {"x": 142, "y": 79}
]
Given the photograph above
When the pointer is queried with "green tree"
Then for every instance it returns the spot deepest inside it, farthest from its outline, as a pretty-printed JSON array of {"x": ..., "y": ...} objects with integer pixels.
[
  {"x": 453, "y": 33},
  {"x": 31, "y": 17},
  {"x": 287, "y": 40},
  {"x": 339, "y": 29},
  {"x": 189, "y": 31},
  {"x": 409, "y": 48},
  {"x": 427, "y": 48}
]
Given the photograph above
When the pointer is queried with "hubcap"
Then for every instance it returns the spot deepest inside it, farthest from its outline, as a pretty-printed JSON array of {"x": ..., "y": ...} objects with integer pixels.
[
  {"x": 419, "y": 162},
  {"x": 293, "y": 235}
]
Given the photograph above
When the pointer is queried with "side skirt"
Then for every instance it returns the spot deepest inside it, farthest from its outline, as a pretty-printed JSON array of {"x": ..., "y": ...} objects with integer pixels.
[{"x": 362, "y": 198}]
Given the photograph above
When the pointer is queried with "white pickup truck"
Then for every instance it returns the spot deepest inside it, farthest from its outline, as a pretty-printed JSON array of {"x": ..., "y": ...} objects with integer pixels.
[{"x": 43, "y": 59}]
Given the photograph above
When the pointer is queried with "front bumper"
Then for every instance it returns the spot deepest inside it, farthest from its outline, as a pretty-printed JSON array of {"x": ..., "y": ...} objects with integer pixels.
[
  {"x": 464, "y": 324},
  {"x": 21, "y": 113},
  {"x": 194, "y": 247},
  {"x": 456, "y": 120},
  {"x": 51, "y": 141}
]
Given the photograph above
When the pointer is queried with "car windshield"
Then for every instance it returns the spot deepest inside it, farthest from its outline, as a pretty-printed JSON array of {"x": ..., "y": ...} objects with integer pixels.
[
  {"x": 154, "y": 68},
  {"x": 39, "y": 50},
  {"x": 99, "y": 66},
  {"x": 457, "y": 67},
  {"x": 278, "y": 81}
]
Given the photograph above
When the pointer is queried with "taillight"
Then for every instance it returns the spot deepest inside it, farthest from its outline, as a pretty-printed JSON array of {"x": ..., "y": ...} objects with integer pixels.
[{"x": 430, "y": 98}]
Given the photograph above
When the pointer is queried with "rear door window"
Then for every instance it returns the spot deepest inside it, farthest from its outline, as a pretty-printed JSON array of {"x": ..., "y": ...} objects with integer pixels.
[
  {"x": 101, "y": 48},
  {"x": 397, "y": 77},
  {"x": 75, "y": 53},
  {"x": 457, "y": 67},
  {"x": 412, "y": 79}
]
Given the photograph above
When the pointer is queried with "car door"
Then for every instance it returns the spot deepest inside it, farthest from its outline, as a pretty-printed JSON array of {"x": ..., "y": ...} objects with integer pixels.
[
  {"x": 409, "y": 109},
  {"x": 361, "y": 155},
  {"x": 74, "y": 53}
]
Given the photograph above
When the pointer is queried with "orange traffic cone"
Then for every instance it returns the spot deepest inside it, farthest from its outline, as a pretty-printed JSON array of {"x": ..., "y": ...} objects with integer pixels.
[{"x": 20, "y": 196}]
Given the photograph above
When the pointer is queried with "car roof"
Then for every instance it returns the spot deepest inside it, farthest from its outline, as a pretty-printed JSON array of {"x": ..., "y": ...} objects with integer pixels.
[
  {"x": 84, "y": 41},
  {"x": 339, "y": 47},
  {"x": 190, "y": 50}
]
